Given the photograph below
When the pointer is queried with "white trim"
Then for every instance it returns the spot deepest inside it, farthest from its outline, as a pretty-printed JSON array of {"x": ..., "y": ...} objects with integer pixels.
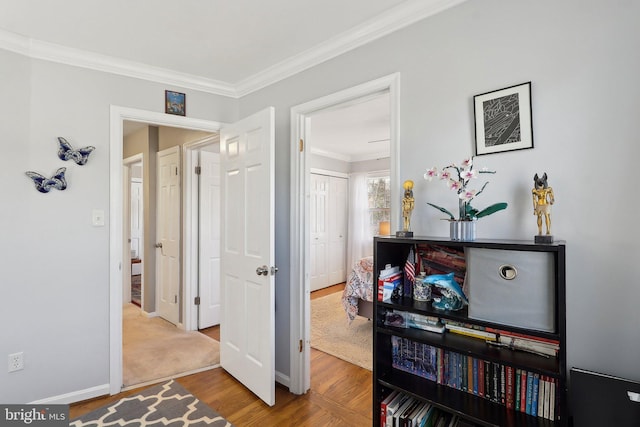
[
  {"x": 330, "y": 154},
  {"x": 190, "y": 229},
  {"x": 329, "y": 173},
  {"x": 283, "y": 379},
  {"x": 117, "y": 116},
  {"x": 299, "y": 295},
  {"x": 75, "y": 396},
  {"x": 401, "y": 16}
]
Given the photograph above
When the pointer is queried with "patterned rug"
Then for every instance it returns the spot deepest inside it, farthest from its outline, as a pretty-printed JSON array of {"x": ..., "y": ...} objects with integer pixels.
[{"x": 168, "y": 404}]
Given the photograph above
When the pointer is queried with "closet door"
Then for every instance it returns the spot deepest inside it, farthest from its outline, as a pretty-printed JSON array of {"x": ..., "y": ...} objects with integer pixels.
[
  {"x": 319, "y": 237},
  {"x": 337, "y": 229}
]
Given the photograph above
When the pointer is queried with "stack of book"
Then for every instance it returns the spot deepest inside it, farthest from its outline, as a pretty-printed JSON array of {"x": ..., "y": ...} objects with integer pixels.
[
  {"x": 404, "y": 319},
  {"x": 546, "y": 347},
  {"x": 516, "y": 389},
  {"x": 401, "y": 410}
]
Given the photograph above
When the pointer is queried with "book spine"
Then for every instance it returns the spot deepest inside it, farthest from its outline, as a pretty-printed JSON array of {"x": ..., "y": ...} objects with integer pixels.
[
  {"x": 540, "y": 412},
  {"x": 523, "y": 390},
  {"x": 481, "y": 378},
  {"x": 510, "y": 387},
  {"x": 503, "y": 385},
  {"x": 517, "y": 390},
  {"x": 529, "y": 392},
  {"x": 475, "y": 375},
  {"x": 534, "y": 394}
]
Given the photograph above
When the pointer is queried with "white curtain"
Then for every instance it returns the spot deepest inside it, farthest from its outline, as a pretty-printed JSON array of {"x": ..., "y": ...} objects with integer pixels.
[{"x": 360, "y": 242}]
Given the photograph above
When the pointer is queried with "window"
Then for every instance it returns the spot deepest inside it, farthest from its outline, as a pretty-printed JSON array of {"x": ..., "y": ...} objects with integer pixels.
[{"x": 379, "y": 196}]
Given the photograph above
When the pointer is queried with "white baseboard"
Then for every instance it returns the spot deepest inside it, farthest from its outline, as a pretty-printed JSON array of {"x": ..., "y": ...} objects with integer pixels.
[
  {"x": 283, "y": 379},
  {"x": 76, "y": 396}
]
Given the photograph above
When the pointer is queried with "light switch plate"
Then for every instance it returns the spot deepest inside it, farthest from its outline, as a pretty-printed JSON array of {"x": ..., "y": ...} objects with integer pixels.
[{"x": 97, "y": 217}]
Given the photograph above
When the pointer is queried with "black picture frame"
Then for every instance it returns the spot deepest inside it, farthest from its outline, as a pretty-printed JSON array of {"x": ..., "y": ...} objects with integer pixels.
[
  {"x": 174, "y": 103},
  {"x": 503, "y": 120}
]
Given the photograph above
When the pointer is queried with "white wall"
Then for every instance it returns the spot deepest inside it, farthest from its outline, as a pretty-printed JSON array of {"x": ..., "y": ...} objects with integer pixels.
[
  {"x": 582, "y": 60},
  {"x": 55, "y": 264},
  {"x": 581, "y": 57}
]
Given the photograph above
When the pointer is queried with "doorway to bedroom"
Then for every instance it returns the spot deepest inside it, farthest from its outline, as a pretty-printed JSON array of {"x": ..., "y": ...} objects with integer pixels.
[{"x": 349, "y": 186}]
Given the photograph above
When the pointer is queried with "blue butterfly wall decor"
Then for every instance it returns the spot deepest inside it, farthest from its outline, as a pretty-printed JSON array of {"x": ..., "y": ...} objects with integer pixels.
[
  {"x": 67, "y": 152},
  {"x": 44, "y": 184}
]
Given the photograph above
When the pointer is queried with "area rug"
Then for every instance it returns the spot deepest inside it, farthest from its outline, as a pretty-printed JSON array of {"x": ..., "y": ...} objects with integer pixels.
[
  {"x": 154, "y": 350},
  {"x": 168, "y": 404},
  {"x": 332, "y": 333}
]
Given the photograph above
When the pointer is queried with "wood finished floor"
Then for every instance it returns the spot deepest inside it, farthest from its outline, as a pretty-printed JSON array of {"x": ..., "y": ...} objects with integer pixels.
[{"x": 340, "y": 394}]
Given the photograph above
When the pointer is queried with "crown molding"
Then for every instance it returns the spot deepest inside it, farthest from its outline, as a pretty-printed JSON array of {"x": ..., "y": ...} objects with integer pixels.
[
  {"x": 395, "y": 19},
  {"x": 38, "y": 49}
]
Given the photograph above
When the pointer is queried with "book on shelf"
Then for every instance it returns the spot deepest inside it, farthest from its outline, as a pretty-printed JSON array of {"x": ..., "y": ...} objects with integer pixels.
[
  {"x": 513, "y": 388},
  {"x": 383, "y": 407},
  {"x": 390, "y": 283},
  {"x": 470, "y": 332},
  {"x": 393, "y": 406}
]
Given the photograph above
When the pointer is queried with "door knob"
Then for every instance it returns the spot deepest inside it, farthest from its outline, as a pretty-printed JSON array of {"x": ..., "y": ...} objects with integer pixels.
[
  {"x": 159, "y": 245},
  {"x": 262, "y": 271}
]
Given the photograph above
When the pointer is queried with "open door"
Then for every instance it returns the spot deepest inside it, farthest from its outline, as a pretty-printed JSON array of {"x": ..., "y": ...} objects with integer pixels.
[
  {"x": 247, "y": 330},
  {"x": 168, "y": 234},
  {"x": 209, "y": 240}
]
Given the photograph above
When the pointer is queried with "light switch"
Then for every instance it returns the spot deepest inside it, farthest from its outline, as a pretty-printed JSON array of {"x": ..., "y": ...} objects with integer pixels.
[{"x": 97, "y": 218}]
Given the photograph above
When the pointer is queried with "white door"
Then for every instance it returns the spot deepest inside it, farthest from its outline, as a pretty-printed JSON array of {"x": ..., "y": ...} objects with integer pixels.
[
  {"x": 247, "y": 329},
  {"x": 319, "y": 190},
  {"x": 337, "y": 230},
  {"x": 136, "y": 220},
  {"x": 168, "y": 234},
  {"x": 209, "y": 240}
]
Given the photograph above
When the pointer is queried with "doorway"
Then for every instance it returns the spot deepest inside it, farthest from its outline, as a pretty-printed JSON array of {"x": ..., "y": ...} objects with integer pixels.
[
  {"x": 302, "y": 117},
  {"x": 118, "y": 250}
]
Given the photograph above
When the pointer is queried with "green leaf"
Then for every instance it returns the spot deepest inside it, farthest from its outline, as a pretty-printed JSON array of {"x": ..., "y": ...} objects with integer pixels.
[
  {"x": 442, "y": 210},
  {"x": 491, "y": 209}
]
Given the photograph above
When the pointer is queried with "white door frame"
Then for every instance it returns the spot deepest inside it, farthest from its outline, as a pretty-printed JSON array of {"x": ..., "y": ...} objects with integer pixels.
[
  {"x": 300, "y": 371},
  {"x": 190, "y": 228},
  {"x": 116, "y": 214}
]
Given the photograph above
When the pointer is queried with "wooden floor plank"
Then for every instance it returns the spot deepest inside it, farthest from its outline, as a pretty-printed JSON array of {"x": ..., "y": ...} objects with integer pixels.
[{"x": 340, "y": 395}]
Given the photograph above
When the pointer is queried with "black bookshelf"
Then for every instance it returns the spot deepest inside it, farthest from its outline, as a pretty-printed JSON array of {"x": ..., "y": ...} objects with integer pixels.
[{"x": 473, "y": 409}]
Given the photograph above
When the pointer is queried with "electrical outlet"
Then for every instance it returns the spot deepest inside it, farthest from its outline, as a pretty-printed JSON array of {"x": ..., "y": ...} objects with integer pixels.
[{"x": 16, "y": 362}]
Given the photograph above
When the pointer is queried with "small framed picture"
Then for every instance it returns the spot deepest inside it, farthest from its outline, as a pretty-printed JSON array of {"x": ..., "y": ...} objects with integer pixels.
[
  {"x": 503, "y": 119},
  {"x": 174, "y": 102}
]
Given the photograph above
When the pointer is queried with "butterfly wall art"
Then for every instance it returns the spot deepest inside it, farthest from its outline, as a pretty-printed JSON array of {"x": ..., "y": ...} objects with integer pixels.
[
  {"x": 67, "y": 152},
  {"x": 44, "y": 184}
]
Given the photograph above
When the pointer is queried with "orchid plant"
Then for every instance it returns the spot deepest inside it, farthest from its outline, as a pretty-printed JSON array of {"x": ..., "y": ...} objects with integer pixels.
[{"x": 458, "y": 179}]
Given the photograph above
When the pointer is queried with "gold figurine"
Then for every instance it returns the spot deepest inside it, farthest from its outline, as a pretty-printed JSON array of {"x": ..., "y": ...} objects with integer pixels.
[
  {"x": 407, "y": 205},
  {"x": 543, "y": 198}
]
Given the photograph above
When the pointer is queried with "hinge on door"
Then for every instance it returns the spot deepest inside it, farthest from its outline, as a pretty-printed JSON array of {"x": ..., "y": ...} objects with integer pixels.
[
  {"x": 300, "y": 347},
  {"x": 198, "y": 170},
  {"x": 175, "y": 299},
  {"x": 196, "y": 300},
  {"x": 301, "y": 145}
]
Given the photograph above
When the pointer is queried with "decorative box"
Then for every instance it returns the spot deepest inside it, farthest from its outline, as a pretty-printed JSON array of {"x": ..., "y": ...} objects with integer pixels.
[{"x": 514, "y": 288}]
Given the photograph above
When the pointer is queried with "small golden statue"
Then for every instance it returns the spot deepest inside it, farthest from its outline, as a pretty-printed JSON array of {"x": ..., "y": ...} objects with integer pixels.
[
  {"x": 407, "y": 207},
  {"x": 543, "y": 198}
]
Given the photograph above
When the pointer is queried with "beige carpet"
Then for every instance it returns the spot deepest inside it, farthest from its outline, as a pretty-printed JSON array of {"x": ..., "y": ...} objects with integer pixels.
[
  {"x": 332, "y": 333},
  {"x": 155, "y": 350}
]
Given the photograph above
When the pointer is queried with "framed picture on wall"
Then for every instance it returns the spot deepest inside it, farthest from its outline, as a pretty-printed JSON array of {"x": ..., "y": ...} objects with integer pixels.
[
  {"x": 503, "y": 119},
  {"x": 174, "y": 102}
]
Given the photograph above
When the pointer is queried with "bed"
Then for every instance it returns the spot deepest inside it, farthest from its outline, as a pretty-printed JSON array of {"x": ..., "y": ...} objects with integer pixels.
[{"x": 357, "y": 298}]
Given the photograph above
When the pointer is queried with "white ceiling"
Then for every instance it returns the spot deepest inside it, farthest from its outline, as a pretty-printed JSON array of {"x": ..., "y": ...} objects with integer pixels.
[
  {"x": 228, "y": 47},
  {"x": 355, "y": 132}
]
